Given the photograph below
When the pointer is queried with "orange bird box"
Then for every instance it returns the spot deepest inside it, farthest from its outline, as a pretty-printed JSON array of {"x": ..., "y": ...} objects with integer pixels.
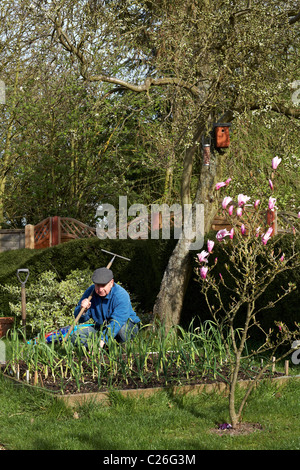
[{"x": 222, "y": 138}]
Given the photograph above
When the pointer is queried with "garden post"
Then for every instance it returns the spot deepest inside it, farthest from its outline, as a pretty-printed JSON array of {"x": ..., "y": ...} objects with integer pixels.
[
  {"x": 55, "y": 231},
  {"x": 29, "y": 236}
]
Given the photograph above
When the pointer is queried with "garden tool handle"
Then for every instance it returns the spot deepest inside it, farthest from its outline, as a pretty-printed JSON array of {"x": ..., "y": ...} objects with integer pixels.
[
  {"x": 111, "y": 262},
  {"x": 83, "y": 309},
  {"x": 26, "y": 271}
]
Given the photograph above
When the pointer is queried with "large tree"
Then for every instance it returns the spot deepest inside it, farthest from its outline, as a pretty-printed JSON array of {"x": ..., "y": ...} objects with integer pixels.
[{"x": 204, "y": 61}]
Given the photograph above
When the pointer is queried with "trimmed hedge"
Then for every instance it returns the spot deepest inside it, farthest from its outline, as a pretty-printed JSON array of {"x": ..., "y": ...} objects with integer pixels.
[{"x": 142, "y": 275}]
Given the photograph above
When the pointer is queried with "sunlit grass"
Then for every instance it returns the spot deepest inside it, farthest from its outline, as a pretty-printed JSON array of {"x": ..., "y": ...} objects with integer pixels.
[{"x": 31, "y": 419}]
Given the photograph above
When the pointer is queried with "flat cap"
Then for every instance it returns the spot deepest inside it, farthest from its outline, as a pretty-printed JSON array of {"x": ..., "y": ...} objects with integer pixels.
[{"x": 102, "y": 276}]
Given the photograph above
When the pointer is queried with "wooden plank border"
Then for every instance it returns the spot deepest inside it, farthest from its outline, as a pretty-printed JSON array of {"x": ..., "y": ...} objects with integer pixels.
[{"x": 104, "y": 397}]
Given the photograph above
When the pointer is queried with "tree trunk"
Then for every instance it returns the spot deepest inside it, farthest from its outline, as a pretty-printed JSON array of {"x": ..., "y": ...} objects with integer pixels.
[
  {"x": 168, "y": 305},
  {"x": 234, "y": 417},
  {"x": 169, "y": 301}
]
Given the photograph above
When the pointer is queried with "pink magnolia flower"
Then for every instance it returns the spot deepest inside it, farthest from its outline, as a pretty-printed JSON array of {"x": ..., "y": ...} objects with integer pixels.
[
  {"x": 267, "y": 235},
  {"x": 220, "y": 185},
  {"x": 275, "y": 162},
  {"x": 203, "y": 272},
  {"x": 239, "y": 211},
  {"x": 298, "y": 215},
  {"x": 242, "y": 199},
  {"x": 227, "y": 181},
  {"x": 202, "y": 256},
  {"x": 271, "y": 184},
  {"x": 257, "y": 231},
  {"x": 221, "y": 234},
  {"x": 230, "y": 210},
  {"x": 216, "y": 260},
  {"x": 231, "y": 233},
  {"x": 210, "y": 245},
  {"x": 256, "y": 203},
  {"x": 272, "y": 202},
  {"x": 226, "y": 201},
  {"x": 282, "y": 257},
  {"x": 243, "y": 229}
]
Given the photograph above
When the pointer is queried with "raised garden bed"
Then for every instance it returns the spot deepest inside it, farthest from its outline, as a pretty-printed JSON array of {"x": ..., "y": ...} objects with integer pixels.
[
  {"x": 168, "y": 374},
  {"x": 188, "y": 361},
  {"x": 72, "y": 392}
]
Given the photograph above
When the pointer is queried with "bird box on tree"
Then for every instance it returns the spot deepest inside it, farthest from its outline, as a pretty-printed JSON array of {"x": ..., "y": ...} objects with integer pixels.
[{"x": 222, "y": 137}]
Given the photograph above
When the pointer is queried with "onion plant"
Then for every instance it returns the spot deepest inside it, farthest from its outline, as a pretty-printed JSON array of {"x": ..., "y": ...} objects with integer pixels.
[{"x": 168, "y": 357}]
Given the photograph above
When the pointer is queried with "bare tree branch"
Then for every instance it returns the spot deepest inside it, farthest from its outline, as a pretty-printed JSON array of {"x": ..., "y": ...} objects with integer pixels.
[{"x": 295, "y": 18}]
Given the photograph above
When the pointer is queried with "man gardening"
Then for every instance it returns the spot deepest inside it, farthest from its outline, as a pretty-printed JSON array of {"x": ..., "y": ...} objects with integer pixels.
[{"x": 110, "y": 308}]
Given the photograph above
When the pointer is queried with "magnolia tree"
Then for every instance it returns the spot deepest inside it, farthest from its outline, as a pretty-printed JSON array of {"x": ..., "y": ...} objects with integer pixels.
[{"x": 255, "y": 259}]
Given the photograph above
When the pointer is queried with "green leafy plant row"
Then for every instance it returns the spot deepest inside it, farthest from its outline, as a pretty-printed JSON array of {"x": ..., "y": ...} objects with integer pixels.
[{"x": 153, "y": 357}]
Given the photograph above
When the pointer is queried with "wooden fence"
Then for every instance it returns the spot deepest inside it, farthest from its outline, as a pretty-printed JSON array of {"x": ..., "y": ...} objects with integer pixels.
[
  {"x": 55, "y": 230},
  {"x": 268, "y": 218}
]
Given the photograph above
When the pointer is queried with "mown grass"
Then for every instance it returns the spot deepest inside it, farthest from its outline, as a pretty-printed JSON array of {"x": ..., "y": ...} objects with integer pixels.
[{"x": 33, "y": 420}]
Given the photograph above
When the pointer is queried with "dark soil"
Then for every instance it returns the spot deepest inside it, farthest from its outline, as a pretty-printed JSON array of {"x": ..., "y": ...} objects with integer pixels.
[{"x": 88, "y": 384}]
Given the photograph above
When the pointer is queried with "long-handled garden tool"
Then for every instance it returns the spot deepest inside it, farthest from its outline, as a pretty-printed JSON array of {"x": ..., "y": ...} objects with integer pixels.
[
  {"x": 23, "y": 297},
  {"x": 91, "y": 295}
]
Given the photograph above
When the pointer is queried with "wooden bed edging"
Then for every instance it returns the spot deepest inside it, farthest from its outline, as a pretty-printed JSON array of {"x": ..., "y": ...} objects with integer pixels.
[
  {"x": 219, "y": 387},
  {"x": 73, "y": 400}
]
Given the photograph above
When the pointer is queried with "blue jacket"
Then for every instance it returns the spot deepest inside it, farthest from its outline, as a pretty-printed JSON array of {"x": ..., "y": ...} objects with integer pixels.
[{"x": 113, "y": 310}]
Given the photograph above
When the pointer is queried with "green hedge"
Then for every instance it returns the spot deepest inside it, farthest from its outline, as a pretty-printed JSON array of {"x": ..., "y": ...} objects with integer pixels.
[{"x": 142, "y": 275}]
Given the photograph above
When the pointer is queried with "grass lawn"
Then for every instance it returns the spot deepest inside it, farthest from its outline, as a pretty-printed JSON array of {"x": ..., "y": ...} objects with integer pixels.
[{"x": 31, "y": 420}]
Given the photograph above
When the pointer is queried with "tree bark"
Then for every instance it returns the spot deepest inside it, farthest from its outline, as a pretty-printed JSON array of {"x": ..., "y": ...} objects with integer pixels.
[{"x": 169, "y": 302}]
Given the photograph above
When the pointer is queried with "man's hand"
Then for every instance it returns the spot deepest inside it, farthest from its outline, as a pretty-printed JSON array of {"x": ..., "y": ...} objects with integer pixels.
[{"x": 86, "y": 304}]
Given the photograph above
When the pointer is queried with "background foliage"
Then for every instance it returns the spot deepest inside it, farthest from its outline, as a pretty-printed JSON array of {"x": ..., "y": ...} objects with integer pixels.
[
  {"x": 116, "y": 98},
  {"x": 106, "y": 95}
]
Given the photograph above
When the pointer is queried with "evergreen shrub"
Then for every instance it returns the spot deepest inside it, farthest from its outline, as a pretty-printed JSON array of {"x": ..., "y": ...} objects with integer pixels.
[{"x": 141, "y": 275}]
